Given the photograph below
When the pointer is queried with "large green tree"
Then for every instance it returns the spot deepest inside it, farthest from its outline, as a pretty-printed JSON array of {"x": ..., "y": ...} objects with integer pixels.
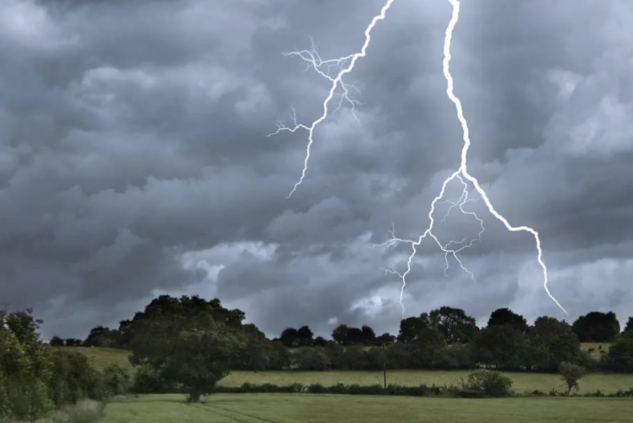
[
  {"x": 628, "y": 327},
  {"x": 501, "y": 346},
  {"x": 196, "y": 351},
  {"x": 597, "y": 327},
  {"x": 551, "y": 343},
  {"x": 411, "y": 327},
  {"x": 620, "y": 355},
  {"x": 505, "y": 316},
  {"x": 194, "y": 342},
  {"x": 454, "y": 324}
]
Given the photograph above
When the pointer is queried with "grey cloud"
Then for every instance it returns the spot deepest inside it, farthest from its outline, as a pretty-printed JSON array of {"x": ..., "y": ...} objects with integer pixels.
[{"x": 133, "y": 139}]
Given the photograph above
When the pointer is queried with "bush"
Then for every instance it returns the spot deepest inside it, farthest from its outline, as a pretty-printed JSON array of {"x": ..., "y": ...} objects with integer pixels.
[
  {"x": 487, "y": 383},
  {"x": 341, "y": 389},
  {"x": 312, "y": 359},
  {"x": 35, "y": 379},
  {"x": 149, "y": 381},
  {"x": 620, "y": 356},
  {"x": 116, "y": 380}
]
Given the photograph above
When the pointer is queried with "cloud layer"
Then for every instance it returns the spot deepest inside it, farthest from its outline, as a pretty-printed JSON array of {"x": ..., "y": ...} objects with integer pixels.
[{"x": 134, "y": 158}]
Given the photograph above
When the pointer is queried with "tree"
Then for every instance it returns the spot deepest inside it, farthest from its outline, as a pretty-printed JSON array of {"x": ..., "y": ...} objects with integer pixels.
[
  {"x": 257, "y": 353},
  {"x": 597, "y": 327},
  {"x": 453, "y": 324},
  {"x": 305, "y": 336},
  {"x": 354, "y": 336},
  {"x": 429, "y": 349},
  {"x": 319, "y": 341},
  {"x": 552, "y": 342},
  {"x": 73, "y": 342},
  {"x": 505, "y": 316},
  {"x": 619, "y": 358},
  {"x": 411, "y": 327},
  {"x": 334, "y": 353},
  {"x": 126, "y": 333},
  {"x": 56, "y": 341},
  {"x": 386, "y": 338},
  {"x": 35, "y": 378},
  {"x": 195, "y": 351},
  {"x": 340, "y": 335},
  {"x": 312, "y": 359},
  {"x": 102, "y": 337},
  {"x": 570, "y": 374},
  {"x": 289, "y": 338},
  {"x": 194, "y": 342},
  {"x": 368, "y": 335},
  {"x": 279, "y": 356},
  {"x": 502, "y": 346},
  {"x": 186, "y": 306},
  {"x": 628, "y": 328}
]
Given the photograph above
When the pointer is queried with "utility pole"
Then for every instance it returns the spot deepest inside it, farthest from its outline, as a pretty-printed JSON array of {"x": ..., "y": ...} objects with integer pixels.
[{"x": 384, "y": 365}]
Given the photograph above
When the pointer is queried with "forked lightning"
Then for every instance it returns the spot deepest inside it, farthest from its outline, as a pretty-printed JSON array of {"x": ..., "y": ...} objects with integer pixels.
[{"x": 346, "y": 65}]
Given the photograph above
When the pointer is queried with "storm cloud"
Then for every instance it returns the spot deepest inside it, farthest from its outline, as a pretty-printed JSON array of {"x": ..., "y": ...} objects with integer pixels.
[{"x": 134, "y": 158}]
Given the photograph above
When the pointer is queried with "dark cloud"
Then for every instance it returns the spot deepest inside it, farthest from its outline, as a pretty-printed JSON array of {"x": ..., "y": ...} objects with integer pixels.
[{"x": 134, "y": 158}]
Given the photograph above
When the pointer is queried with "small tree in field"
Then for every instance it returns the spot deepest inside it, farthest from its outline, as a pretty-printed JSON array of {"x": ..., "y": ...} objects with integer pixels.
[{"x": 571, "y": 374}]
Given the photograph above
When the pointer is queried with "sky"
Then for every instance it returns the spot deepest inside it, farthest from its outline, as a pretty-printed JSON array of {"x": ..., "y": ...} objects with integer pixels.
[{"x": 135, "y": 159}]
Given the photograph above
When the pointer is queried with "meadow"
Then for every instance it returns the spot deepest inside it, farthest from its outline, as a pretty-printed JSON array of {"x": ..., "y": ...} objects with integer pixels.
[
  {"x": 282, "y": 408},
  {"x": 522, "y": 382}
]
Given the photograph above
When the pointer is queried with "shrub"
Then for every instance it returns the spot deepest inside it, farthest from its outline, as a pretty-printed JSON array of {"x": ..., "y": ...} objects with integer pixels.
[
  {"x": 489, "y": 383},
  {"x": 317, "y": 388},
  {"x": 312, "y": 359},
  {"x": 620, "y": 356},
  {"x": 116, "y": 380},
  {"x": 149, "y": 381}
]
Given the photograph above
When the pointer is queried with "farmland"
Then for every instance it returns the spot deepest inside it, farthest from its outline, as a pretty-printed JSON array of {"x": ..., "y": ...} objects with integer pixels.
[
  {"x": 281, "y": 408},
  {"x": 523, "y": 382}
]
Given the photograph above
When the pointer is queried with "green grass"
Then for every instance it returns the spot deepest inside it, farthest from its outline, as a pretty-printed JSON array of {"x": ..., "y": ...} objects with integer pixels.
[
  {"x": 281, "y": 408},
  {"x": 595, "y": 345},
  {"x": 85, "y": 411},
  {"x": 100, "y": 358},
  {"x": 522, "y": 382}
]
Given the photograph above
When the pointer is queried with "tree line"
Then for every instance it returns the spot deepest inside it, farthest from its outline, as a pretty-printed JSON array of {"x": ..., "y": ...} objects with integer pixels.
[
  {"x": 444, "y": 338},
  {"x": 189, "y": 344}
]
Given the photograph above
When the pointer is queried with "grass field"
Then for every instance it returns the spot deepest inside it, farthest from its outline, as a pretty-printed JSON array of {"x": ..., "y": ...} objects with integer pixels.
[
  {"x": 523, "y": 382},
  {"x": 103, "y": 357},
  {"x": 595, "y": 354},
  {"x": 281, "y": 408}
]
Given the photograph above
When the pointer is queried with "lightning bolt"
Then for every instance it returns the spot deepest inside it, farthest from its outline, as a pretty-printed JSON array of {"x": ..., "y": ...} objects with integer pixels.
[
  {"x": 452, "y": 248},
  {"x": 462, "y": 174},
  {"x": 345, "y": 65}
]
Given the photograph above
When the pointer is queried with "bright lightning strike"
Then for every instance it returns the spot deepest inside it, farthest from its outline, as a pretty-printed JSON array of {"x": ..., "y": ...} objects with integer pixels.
[
  {"x": 346, "y": 65},
  {"x": 461, "y": 174},
  {"x": 312, "y": 57}
]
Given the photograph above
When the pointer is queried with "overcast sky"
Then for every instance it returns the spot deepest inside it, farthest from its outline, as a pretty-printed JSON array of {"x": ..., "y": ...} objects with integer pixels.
[{"x": 134, "y": 158}]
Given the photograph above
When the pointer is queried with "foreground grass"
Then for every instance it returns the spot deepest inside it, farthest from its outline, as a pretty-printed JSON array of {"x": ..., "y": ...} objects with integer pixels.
[
  {"x": 522, "y": 382},
  {"x": 280, "y": 408},
  {"x": 85, "y": 411}
]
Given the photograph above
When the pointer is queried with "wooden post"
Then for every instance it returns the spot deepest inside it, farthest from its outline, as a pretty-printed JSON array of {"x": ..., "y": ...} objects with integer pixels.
[{"x": 384, "y": 365}]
